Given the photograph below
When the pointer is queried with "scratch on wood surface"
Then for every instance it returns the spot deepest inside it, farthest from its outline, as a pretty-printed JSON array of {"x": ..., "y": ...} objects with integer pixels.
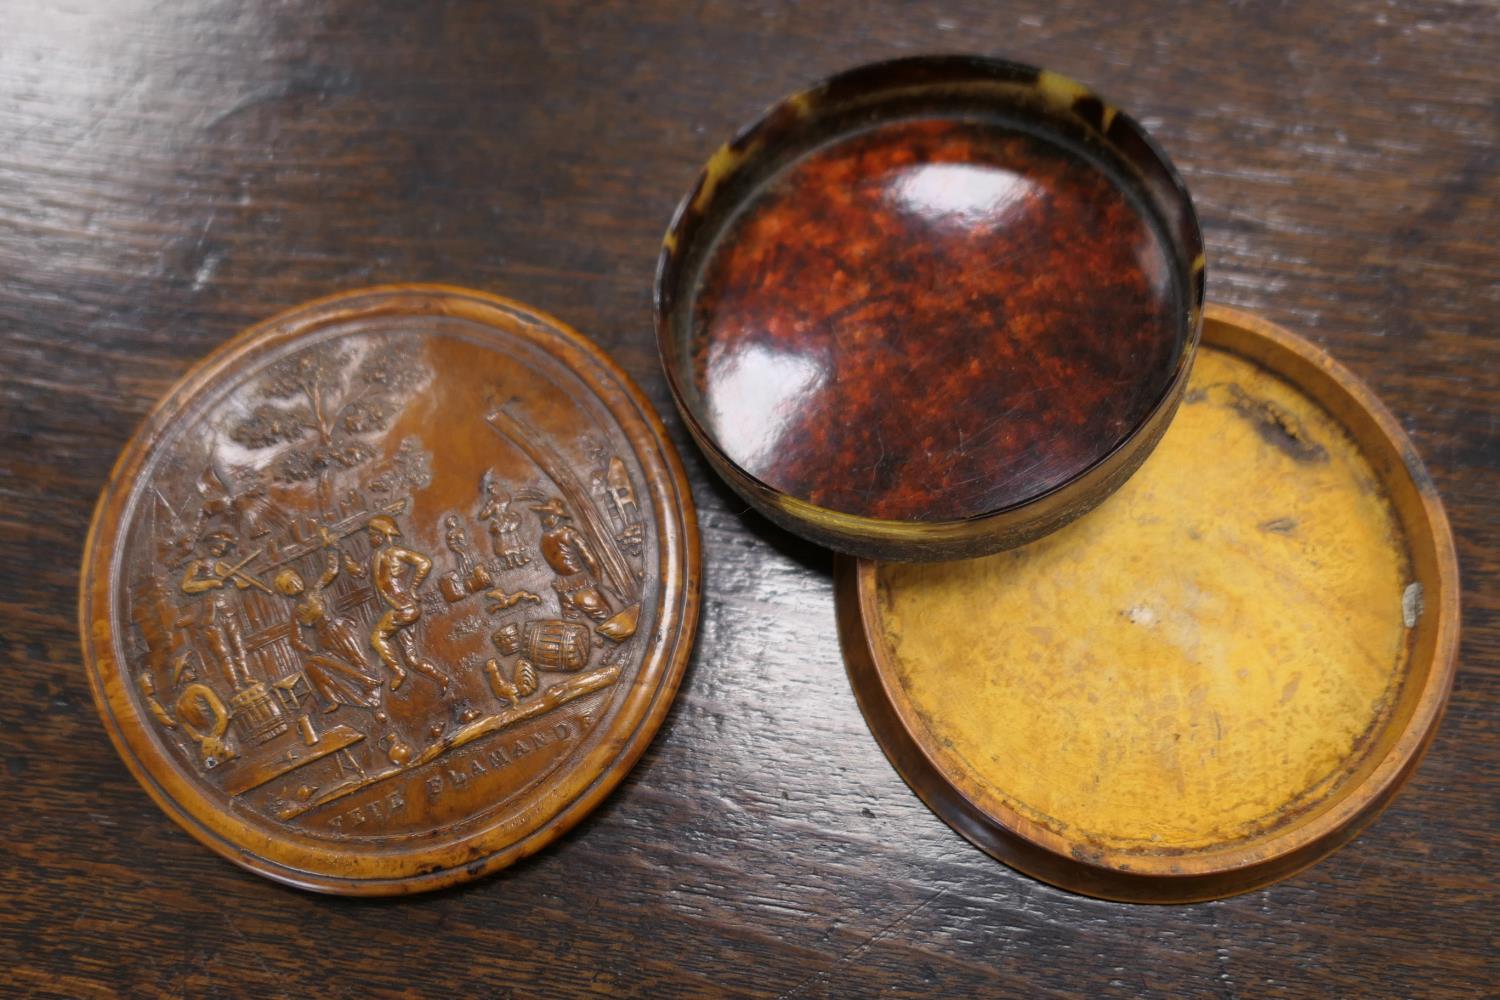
[
  {"x": 250, "y": 945},
  {"x": 865, "y": 945}
]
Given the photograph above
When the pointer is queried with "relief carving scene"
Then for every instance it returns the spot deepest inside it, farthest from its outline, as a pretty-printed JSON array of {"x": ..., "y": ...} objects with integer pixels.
[{"x": 323, "y": 612}]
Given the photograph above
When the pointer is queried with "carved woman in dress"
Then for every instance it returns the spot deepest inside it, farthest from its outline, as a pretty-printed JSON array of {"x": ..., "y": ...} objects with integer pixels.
[
  {"x": 505, "y": 526},
  {"x": 338, "y": 674},
  {"x": 458, "y": 544}
]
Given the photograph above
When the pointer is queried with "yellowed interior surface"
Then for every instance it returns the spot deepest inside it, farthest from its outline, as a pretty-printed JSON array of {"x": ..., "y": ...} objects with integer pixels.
[{"x": 1201, "y": 658}]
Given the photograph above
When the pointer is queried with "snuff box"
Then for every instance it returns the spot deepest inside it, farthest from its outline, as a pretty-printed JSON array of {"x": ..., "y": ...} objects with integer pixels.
[
  {"x": 1148, "y": 619},
  {"x": 390, "y": 590},
  {"x": 931, "y": 308},
  {"x": 1212, "y": 680}
]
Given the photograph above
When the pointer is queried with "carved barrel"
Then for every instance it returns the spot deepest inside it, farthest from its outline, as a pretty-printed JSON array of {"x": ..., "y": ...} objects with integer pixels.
[{"x": 557, "y": 644}]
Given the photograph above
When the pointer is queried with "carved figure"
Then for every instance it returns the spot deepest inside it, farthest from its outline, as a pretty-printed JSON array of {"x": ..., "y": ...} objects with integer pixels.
[
  {"x": 338, "y": 674},
  {"x": 470, "y": 577},
  {"x": 458, "y": 544},
  {"x": 217, "y": 617},
  {"x": 504, "y": 526},
  {"x": 397, "y": 573},
  {"x": 567, "y": 552}
]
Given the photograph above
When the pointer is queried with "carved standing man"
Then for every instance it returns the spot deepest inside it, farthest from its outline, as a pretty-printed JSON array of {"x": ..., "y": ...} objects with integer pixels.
[
  {"x": 221, "y": 627},
  {"x": 568, "y": 554},
  {"x": 505, "y": 526},
  {"x": 397, "y": 573}
]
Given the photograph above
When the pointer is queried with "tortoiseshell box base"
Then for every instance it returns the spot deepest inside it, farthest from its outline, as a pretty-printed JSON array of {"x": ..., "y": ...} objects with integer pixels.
[{"x": 931, "y": 308}]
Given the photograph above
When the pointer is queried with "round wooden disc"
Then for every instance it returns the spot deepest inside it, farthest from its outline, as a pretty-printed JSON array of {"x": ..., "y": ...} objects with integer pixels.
[
  {"x": 1214, "y": 679},
  {"x": 390, "y": 590}
]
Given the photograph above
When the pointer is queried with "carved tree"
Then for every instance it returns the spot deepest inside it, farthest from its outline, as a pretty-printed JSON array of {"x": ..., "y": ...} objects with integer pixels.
[{"x": 319, "y": 405}]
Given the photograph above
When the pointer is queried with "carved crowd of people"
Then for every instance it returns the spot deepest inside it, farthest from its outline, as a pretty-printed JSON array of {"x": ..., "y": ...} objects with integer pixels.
[{"x": 333, "y": 650}]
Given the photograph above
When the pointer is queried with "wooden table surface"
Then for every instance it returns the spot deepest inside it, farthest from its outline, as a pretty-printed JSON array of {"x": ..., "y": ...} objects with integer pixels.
[{"x": 172, "y": 171}]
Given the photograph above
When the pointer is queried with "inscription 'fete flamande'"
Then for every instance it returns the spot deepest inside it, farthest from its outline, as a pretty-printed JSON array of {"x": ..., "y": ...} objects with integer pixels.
[{"x": 457, "y": 775}]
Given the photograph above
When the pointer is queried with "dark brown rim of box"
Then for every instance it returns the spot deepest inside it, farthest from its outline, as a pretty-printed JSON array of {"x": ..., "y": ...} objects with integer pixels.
[
  {"x": 1253, "y": 863},
  {"x": 935, "y": 84}
]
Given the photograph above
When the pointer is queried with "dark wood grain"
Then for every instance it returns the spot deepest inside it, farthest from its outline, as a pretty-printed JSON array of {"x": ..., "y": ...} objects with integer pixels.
[{"x": 172, "y": 172}]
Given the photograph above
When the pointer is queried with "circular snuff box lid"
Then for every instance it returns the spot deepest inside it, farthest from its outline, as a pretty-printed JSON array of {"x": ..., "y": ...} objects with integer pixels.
[
  {"x": 390, "y": 590},
  {"x": 1212, "y": 680}
]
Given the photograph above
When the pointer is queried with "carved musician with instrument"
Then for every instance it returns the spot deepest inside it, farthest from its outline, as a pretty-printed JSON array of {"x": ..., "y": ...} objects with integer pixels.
[{"x": 218, "y": 621}]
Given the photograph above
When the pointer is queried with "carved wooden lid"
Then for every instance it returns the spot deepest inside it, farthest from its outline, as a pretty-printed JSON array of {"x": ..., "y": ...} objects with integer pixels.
[{"x": 390, "y": 590}]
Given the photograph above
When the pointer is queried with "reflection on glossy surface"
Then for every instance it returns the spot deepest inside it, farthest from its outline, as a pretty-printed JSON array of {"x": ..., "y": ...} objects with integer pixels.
[
  {"x": 760, "y": 380},
  {"x": 959, "y": 193},
  {"x": 933, "y": 319}
]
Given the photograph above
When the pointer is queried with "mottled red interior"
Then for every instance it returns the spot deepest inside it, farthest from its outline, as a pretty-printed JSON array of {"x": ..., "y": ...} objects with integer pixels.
[{"x": 933, "y": 319}]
